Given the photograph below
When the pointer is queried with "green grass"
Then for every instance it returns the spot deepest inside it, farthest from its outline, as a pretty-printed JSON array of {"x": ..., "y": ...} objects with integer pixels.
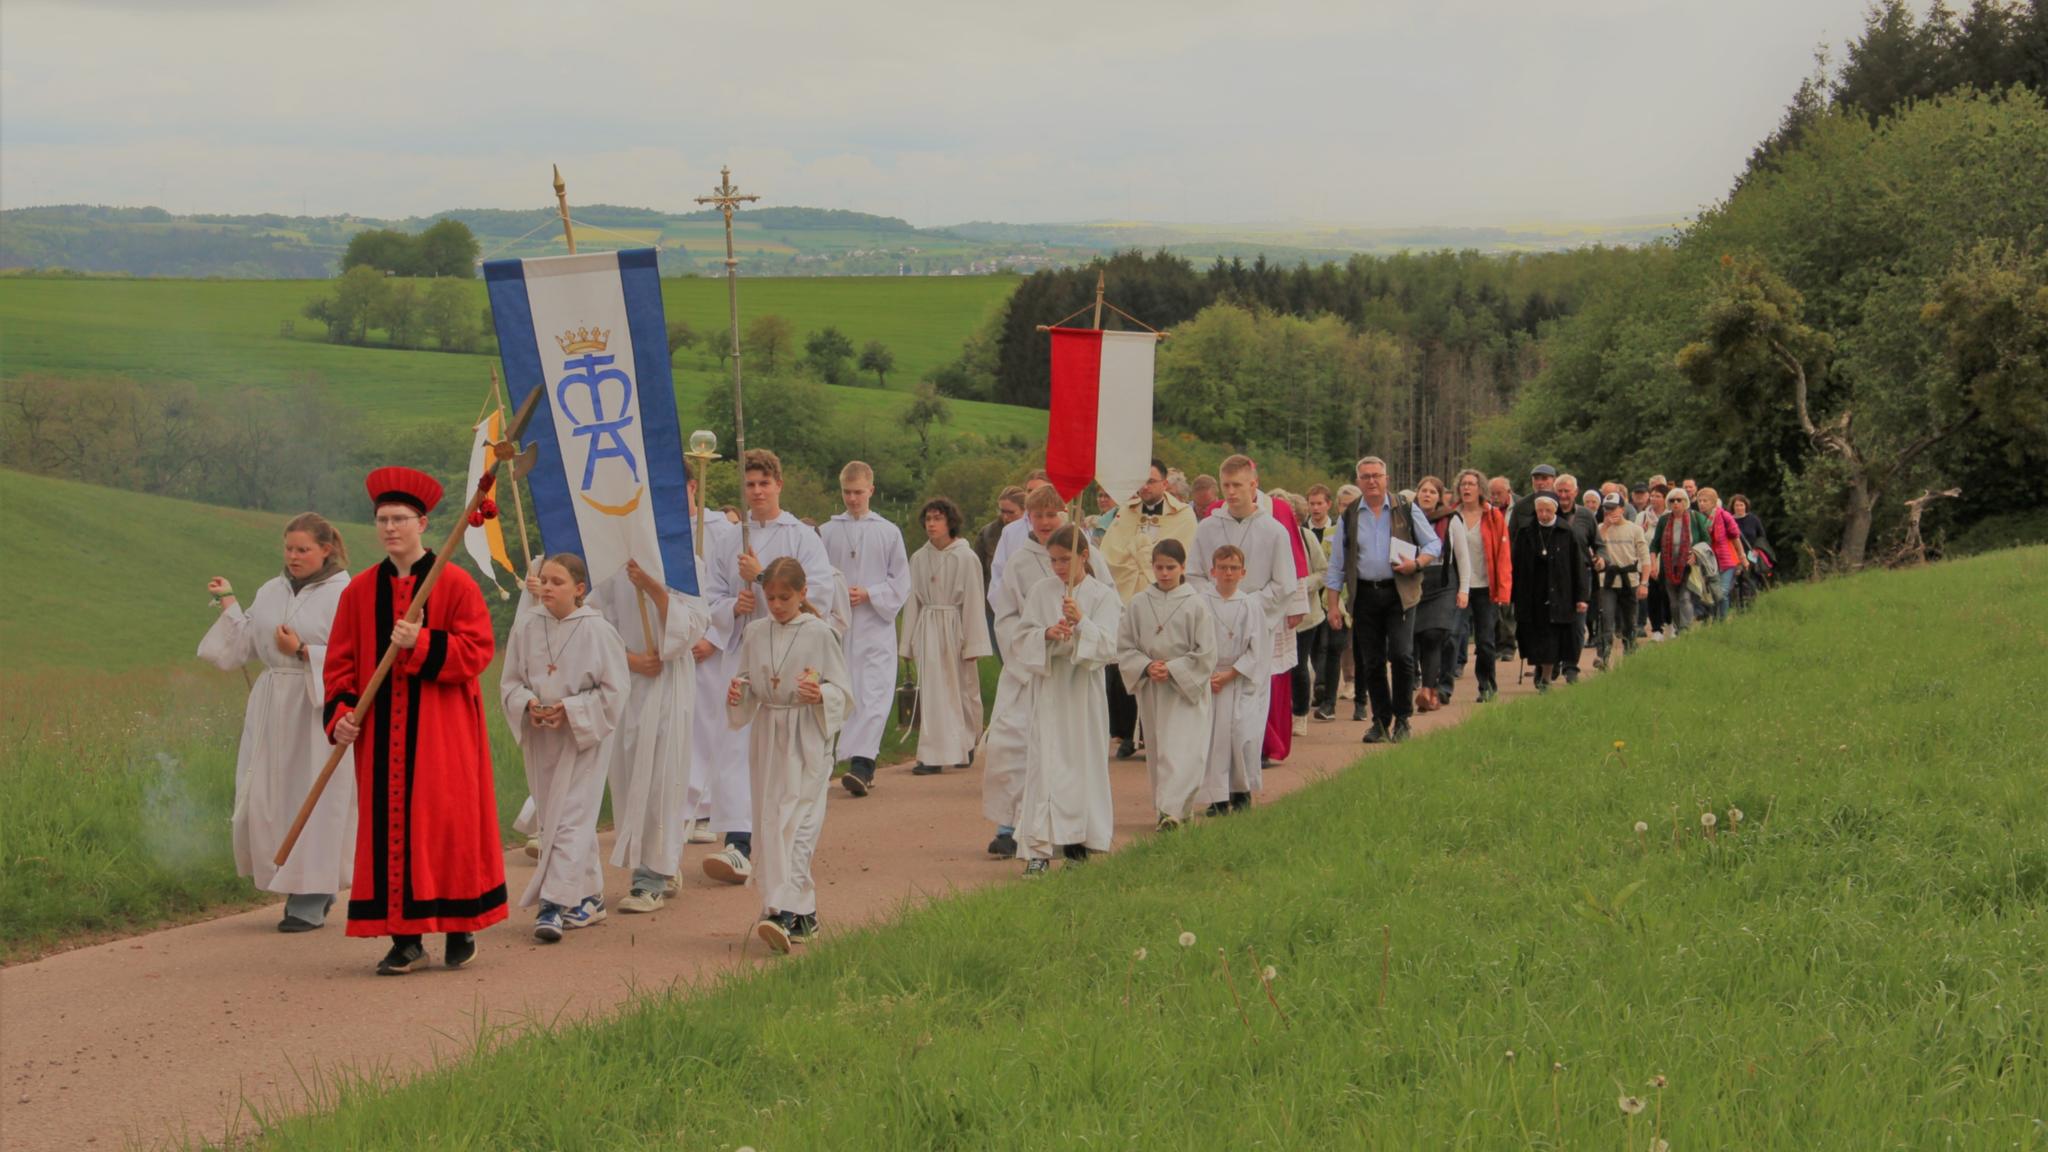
[
  {"x": 230, "y": 334},
  {"x": 1861, "y": 967}
]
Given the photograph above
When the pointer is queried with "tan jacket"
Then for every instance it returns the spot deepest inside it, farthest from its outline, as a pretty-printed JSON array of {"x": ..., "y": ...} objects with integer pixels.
[{"x": 1127, "y": 546}]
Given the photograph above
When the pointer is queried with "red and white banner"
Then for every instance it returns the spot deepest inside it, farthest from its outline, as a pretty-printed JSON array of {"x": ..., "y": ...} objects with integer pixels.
[{"x": 1101, "y": 422}]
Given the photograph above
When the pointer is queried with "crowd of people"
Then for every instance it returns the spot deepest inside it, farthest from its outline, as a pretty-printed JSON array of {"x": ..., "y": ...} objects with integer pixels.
[{"x": 1204, "y": 622}]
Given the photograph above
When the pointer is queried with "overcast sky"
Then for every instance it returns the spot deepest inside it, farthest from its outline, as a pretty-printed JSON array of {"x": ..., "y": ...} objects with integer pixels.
[{"x": 1364, "y": 112}]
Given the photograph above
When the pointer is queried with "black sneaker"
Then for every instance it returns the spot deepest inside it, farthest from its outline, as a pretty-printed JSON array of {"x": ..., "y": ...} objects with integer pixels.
[
  {"x": 406, "y": 954},
  {"x": 1358, "y": 714},
  {"x": 1571, "y": 676},
  {"x": 1377, "y": 734},
  {"x": 858, "y": 781},
  {"x": 1486, "y": 694},
  {"x": 1125, "y": 749},
  {"x": 1076, "y": 853},
  {"x": 1219, "y": 808},
  {"x": 1326, "y": 714},
  {"x": 1400, "y": 734},
  {"x": 1240, "y": 801},
  {"x": 802, "y": 926},
  {"x": 775, "y": 931},
  {"x": 923, "y": 769},
  {"x": 460, "y": 951},
  {"x": 1003, "y": 847}
]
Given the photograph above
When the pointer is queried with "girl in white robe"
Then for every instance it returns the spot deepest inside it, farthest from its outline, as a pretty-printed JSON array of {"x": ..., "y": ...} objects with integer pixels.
[
  {"x": 1063, "y": 639},
  {"x": 791, "y": 693},
  {"x": 1237, "y": 717},
  {"x": 284, "y": 743},
  {"x": 650, "y": 759},
  {"x": 563, "y": 689},
  {"x": 1166, "y": 650},
  {"x": 946, "y": 633}
]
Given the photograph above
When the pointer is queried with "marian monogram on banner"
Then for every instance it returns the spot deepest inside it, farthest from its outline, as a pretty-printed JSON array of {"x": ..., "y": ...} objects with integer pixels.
[{"x": 597, "y": 399}]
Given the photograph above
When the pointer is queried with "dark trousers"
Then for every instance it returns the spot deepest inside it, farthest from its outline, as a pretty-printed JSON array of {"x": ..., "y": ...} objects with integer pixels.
[
  {"x": 1123, "y": 709},
  {"x": 1657, "y": 608},
  {"x": 1383, "y": 645},
  {"x": 1479, "y": 613},
  {"x": 1322, "y": 652}
]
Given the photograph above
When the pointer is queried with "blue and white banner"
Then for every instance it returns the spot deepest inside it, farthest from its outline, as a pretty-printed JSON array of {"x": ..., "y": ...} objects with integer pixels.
[{"x": 610, "y": 483}]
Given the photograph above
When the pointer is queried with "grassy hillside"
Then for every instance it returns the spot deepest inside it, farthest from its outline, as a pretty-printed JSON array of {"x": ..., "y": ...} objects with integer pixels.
[
  {"x": 117, "y": 580},
  {"x": 241, "y": 334},
  {"x": 1472, "y": 945}
]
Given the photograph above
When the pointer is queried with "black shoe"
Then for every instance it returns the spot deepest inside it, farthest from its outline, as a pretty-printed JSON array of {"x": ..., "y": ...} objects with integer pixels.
[
  {"x": 1358, "y": 714},
  {"x": 1219, "y": 808},
  {"x": 1240, "y": 801},
  {"x": 1326, "y": 714},
  {"x": 1077, "y": 853},
  {"x": 1571, "y": 675},
  {"x": 1400, "y": 733},
  {"x": 292, "y": 923},
  {"x": 1003, "y": 847},
  {"x": 1377, "y": 734},
  {"x": 406, "y": 954},
  {"x": 775, "y": 931},
  {"x": 923, "y": 769},
  {"x": 1599, "y": 663},
  {"x": 460, "y": 951},
  {"x": 856, "y": 783},
  {"x": 1489, "y": 693},
  {"x": 802, "y": 926},
  {"x": 1125, "y": 749}
]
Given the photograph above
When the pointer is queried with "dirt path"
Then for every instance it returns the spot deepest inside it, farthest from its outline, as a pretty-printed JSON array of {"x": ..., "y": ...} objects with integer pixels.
[{"x": 166, "y": 1034}]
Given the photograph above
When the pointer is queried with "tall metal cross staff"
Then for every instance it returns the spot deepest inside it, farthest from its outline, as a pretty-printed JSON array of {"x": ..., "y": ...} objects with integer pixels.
[{"x": 725, "y": 198}]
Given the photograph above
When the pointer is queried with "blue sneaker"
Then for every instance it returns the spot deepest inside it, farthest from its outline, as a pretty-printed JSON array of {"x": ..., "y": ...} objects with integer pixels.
[
  {"x": 547, "y": 927},
  {"x": 590, "y": 911}
]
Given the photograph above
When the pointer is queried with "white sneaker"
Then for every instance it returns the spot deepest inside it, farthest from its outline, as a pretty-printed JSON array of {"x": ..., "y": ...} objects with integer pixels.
[
  {"x": 583, "y": 915},
  {"x": 701, "y": 833},
  {"x": 1301, "y": 725},
  {"x": 728, "y": 865},
  {"x": 670, "y": 887},
  {"x": 639, "y": 901},
  {"x": 533, "y": 849}
]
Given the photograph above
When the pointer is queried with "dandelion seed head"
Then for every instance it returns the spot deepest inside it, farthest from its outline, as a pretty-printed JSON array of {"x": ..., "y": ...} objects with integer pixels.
[
  {"x": 1557, "y": 1066},
  {"x": 1642, "y": 826},
  {"x": 1511, "y": 1053},
  {"x": 1269, "y": 974},
  {"x": 1708, "y": 820},
  {"x": 1187, "y": 939},
  {"x": 1138, "y": 955},
  {"x": 1630, "y": 1105},
  {"x": 1660, "y": 1145},
  {"x": 1735, "y": 815},
  {"x": 1658, "y": 1080}
]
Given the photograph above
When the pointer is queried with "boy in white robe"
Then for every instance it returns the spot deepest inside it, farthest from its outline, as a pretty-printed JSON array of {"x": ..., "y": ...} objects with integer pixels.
[
  {"x": 713, "y": 654},
  {"x": 1166, "y": 650},
  {"x": 1237, "y": 716},
  {"x": 1269, "y": 581},
  {"x": 284, "y": 743},
  {"x": 868, "y": 552},
  {"x": 1008, "y": 739},
  {"x": 650, "y": 758},
  {"x": 790, "y": 695},
  {"x": 946, "y": 633},
  {"x": 1063, "y": 639},
  {"x": 770, "y": 534},
  {"x": 563, "y": 688}
]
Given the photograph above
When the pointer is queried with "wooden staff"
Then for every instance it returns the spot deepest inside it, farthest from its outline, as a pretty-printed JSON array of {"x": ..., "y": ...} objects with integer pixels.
[
  {"x": 518, "y": 502},
  {"x": 412, "y": 616},
  {"x": 562, "y": 202},
  {"x": 639, "y": 597}
]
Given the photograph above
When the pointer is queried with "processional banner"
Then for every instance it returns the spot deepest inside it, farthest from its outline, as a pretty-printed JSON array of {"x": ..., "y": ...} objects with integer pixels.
[
  {"x": 609, "y": 483},
  {"x": 1100, "y": 426}
]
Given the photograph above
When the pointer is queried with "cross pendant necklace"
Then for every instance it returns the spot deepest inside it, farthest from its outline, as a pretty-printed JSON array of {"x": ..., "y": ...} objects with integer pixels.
[{"x": 775, "y": 670}]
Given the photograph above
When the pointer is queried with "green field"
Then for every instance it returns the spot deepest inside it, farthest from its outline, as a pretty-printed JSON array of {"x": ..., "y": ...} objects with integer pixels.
[
  {"x": 1473, "y": 946},
  {"x": 230, "y": 334},
  {"x": 117, "y": 745}
]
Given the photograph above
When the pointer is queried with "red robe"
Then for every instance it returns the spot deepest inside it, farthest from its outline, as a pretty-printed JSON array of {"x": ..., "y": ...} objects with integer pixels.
[
  {"x": 428, "y": 857},
  {"x": 1280, "y": 713}
]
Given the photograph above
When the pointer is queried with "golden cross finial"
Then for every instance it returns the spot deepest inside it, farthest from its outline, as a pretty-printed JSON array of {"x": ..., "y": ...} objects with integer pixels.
[{"x": 727, "y": 195}]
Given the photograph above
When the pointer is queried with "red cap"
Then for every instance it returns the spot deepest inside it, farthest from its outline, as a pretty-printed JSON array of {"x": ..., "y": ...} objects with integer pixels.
[{"x": 408, "y": 486}]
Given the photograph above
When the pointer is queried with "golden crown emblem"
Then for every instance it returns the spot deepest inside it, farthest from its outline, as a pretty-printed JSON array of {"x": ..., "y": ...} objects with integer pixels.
[{"x": 583, "y": 340}]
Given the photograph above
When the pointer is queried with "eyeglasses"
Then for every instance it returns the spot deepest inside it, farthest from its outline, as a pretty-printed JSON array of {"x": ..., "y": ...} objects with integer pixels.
[{"x": 395, "y": 521}]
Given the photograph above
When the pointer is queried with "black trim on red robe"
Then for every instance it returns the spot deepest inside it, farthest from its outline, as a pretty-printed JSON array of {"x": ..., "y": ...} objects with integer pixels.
[{"x": 466, "y": 859}]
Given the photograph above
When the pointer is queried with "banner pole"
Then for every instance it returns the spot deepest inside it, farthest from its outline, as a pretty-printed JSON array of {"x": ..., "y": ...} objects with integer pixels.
[
  {"x": 518, "y": 501},
  {"x": 562, "y": 203}
]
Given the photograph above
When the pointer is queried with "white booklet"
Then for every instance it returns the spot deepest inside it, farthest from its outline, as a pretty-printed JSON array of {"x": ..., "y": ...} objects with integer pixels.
[{"x": 1400, "y": 551}]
